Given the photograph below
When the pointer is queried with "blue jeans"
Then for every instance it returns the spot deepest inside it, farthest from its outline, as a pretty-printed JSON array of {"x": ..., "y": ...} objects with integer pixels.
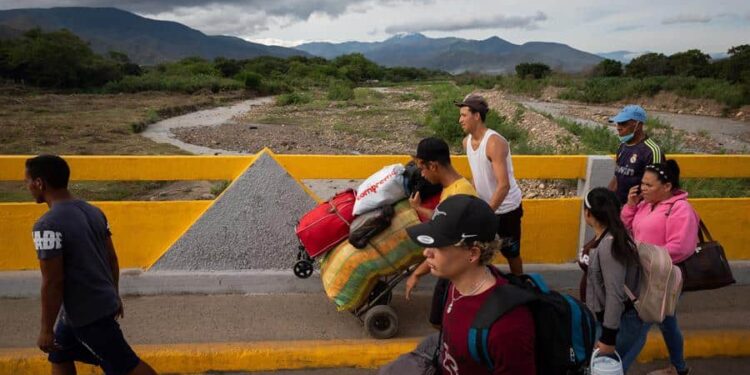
[
  {"x": 630, "y": 338},
  {"x": 675, "y": 343}
]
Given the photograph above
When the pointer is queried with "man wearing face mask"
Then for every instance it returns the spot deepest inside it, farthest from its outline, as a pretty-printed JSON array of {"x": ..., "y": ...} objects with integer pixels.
[{"x": 636, "y": 151}]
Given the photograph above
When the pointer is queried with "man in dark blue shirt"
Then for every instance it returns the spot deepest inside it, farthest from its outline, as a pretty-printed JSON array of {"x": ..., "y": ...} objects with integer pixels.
[
  {"x": 636, "y": 151},
  {"x": 80, "y": 274}
]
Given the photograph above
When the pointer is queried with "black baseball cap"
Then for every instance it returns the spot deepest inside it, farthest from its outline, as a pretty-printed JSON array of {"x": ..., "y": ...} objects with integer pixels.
[
  {"x": 475, "y": 102},
  {"x": 433, "y": 149},
  {"x": 459, "y": 217}
]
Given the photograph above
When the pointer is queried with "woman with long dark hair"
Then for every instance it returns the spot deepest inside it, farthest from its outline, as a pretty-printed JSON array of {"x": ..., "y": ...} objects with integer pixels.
[
  {"x": 612, "y": 265},
  {"x": 658, "y": 213}
]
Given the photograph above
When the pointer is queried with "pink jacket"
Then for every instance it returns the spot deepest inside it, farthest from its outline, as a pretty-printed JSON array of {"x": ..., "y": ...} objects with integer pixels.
[{"x": 672, "y": 224}]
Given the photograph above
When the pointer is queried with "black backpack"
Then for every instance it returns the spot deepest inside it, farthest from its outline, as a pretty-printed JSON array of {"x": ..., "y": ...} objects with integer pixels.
[
  {"x": 369, "y": 225},
  {"x": 565, "y": 328},
  {"x": 414, "y": 182}
]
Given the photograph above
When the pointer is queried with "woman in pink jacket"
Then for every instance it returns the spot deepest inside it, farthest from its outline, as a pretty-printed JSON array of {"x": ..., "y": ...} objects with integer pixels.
[{"x": 658, "y": 213}]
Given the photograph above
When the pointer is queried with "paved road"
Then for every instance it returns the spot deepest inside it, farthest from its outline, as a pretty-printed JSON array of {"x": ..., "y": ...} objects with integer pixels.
[{"x": 229, "y": 318}]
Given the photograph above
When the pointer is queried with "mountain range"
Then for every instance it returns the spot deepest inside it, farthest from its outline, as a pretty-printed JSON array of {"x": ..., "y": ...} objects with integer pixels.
[
  {"x": 145, "y": 41},
  {"x": 456, "y": 55},
  {"x": 148, "y": 42}
]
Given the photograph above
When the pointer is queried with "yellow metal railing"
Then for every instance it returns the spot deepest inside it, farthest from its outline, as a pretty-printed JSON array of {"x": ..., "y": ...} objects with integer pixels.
[{"x": 143, "y": 231}]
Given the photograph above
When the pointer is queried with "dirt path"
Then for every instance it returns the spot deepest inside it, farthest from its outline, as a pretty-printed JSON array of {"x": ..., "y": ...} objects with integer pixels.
[
  {"x": 162, "y": 131},
  {"x": 732, "y": 135},
  {"x": 372, "y": 123}
]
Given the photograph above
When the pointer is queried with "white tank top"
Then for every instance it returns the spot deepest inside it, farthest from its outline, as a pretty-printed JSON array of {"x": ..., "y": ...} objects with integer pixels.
[{"x": 484, "y": 177}]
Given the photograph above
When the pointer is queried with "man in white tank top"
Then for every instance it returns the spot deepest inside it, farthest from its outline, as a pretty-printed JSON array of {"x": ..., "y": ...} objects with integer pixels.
[{"x": 492, "y": 174}]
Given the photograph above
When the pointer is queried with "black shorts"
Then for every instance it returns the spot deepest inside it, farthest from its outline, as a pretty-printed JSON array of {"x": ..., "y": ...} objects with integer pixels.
[
  {"x": 100, "y": 343},
  {"x": 509, "y": 229}
]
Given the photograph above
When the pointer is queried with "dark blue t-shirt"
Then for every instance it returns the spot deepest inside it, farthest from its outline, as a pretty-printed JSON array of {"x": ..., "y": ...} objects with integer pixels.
[
  {"x": 78, "y": 232},
  {"x": 631, "y": 164}
]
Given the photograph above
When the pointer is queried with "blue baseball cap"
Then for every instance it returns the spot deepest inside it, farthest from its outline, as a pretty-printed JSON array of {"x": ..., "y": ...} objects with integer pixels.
[{"x": 630, "y": 112}]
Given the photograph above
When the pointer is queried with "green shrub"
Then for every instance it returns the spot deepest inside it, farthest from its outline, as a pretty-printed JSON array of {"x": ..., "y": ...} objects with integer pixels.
[
  {"x": 274, "y": 86},
  {"x": 593, "y": 139},
  {"x": 442, "y": 119},
  {"x": 253, "y": 81},
  {"x": 608, "y": 68},
  {"x": 515, "y": 85},
  {"x": 218, "y": 187},
  {"x": 611, "y": 89},
  {"x": 154, "y": 81},
  {"x": 717, "y": 187},
  {"x": 340, "y": 91},
  {"x": 409, "y": 96},
  {"x": 152, "y": 116},
  {"x": 293, "y": 98},
  {"x": 533, "y": 70},
  {"x": 483, "y": 81}
]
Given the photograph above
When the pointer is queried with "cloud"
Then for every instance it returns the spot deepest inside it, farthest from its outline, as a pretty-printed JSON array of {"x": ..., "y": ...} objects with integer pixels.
[
  {"x": 280, "y": 42},
  {"x": 221, "y": 20},
  {"x": 299, "y": 9},
  {"x": 627, "y": 28},
  {"x": 686, "y": 18},
  {"x": 234, "y": 17},
  {"x": 478, "y": 23},
  {"x": 243, "y": 18}
]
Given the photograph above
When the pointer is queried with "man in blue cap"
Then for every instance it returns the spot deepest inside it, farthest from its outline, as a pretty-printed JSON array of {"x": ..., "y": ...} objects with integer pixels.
[{"x": 636, "y": 151}]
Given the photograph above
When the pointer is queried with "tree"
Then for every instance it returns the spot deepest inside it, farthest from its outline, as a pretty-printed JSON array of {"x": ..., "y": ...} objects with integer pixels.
[
  {"x": 6, "y": 45},
  {"x": 191, "y": 66},
  {"x": 535, "y": 70},
  {"x": 252, "y": 81},
  {"x": 738, "y": 64},
  {"x": 692, "y": 63},
  {"x": 58, "y": 59},
  {"x": 267, "y": 65},
  {"x": 227, "y": 67},
  {"x": 608, "y": 68},
  {"x": 357, "y": 68},
  {"x": 400, "y": 74},
  {"x": 648, "y": 65},
  {"x": 127, "y": 67}
]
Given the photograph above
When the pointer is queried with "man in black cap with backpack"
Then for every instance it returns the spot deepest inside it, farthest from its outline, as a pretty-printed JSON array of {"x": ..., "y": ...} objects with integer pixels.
[{"x": 460, "y": 243}]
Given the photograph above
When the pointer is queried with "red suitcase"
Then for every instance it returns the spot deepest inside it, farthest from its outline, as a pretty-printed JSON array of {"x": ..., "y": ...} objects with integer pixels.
[{"x": 327, "y": 224}]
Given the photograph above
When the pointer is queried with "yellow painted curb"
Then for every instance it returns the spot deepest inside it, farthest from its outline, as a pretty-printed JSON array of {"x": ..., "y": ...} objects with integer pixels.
[
  {"x": 700, "y": 344},
  {"x": 293, "y": 355},
  {"x": 257, "y": 356}
]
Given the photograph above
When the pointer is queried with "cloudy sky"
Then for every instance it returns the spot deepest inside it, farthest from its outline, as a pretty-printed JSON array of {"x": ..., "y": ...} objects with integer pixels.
[{"x": 596, "y": 26}]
